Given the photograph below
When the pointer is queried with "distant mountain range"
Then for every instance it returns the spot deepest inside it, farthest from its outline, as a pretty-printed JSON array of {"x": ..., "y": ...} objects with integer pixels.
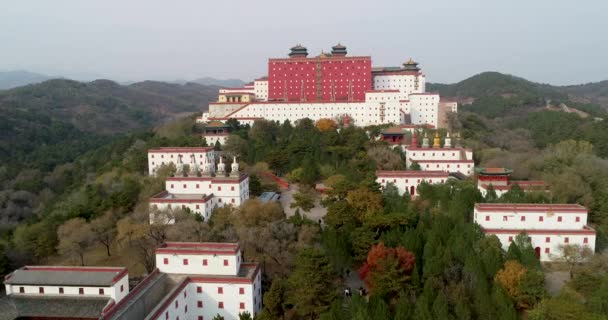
[
  {"x": 18, "y": 78},
  {"x": 13, "y": 79},
  {"x": 208, "y": 81}
]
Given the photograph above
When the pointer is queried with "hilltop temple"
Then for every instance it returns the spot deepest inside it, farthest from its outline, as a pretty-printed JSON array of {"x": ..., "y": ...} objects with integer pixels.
[{"x": 337, "y": 86}]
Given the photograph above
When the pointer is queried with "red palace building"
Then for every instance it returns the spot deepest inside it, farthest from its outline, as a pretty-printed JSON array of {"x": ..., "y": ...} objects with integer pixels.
[{"x": 326, "y": 77}]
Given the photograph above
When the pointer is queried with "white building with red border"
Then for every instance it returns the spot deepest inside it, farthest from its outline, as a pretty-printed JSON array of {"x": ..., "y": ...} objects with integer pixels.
[
  {"x": 439, "y": 157},
  {"x": 409, "y": 180},
  {"x": 499, "y": 179},
  {"x": 334, "y": 85},
  {"x": 216, "y": 281},
  {"x": 200, "y": 192},
  {"x": 83, "y": 291},
  {"x": 200, "y": 156},
  {"x": 547, "y": 225},
  {"x": 191, "y": 281}
]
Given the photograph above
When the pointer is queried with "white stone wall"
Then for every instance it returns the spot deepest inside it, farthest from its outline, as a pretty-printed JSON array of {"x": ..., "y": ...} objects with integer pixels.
[
  {"x": 158, "y": 158},
  {"x": 424, "y": 108},
  {"x": 204, "y": 209},
  {"x": 261, "y": 90},
  {"x": 464, "y": 167},
  {"x": 519, "y": 219},
  {"x": 405, "y": 83},
  {"x": 383, "y": 96},
  {"x": 548, "y": 243},
  {"x": 410, "y": 183},
  {"x": 226, "y": 191},
  {"x": 212, "y": 138},
  {"x": 206, "y": 301},
  {"x": 216, "y": 263},
  {"x": 67, "y": 290},
  {"x": 361, "y": 113},
  {"x": 120, "y": 289}
]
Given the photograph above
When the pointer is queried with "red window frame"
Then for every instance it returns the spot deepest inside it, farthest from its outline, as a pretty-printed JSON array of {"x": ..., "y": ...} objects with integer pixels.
[
  {"x": 199, "y": 304},
  {"x": 165, "y": 260},
  {"x": 185, "y": 262},
  {"x": 101, "y": 291},
  {"x": 199, "y": 289},
  {"x": 204, "y": 262},
  {"x": 226, "y": 262},
  {"x": 220, "y": 305}
]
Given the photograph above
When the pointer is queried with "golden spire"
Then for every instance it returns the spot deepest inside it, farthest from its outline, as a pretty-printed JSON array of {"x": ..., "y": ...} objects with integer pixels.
[{"x": 437, "y": 141}]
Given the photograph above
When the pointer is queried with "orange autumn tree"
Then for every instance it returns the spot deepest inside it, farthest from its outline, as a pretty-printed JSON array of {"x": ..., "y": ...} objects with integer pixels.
[
  {"x": 387, "y": 271},
  {"x": 325, "y": 124},
  {"x": 510, "y": 276}
]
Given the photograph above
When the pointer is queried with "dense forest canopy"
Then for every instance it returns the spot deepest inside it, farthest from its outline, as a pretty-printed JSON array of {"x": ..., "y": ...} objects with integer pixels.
[{"x": 419, "y": 258}]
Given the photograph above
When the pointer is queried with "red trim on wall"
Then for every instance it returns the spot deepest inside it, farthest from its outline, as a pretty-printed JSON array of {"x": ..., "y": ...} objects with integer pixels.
[
  {"x": 413, "y": 173},
  {"x": 507, "y": 207},
  {"x": 586, "y": 231},
  {"x": 129, "y": 295},
  {"x": 441, "y": 161},
  {"x": 181, "y": 150},
  {"x": 242, "y": 177}
]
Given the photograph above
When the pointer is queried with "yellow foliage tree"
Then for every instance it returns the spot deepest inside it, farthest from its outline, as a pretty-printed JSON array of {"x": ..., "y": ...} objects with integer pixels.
[
  {"x": 510, "y": 276},
  {"x": 325, "y": 124}
]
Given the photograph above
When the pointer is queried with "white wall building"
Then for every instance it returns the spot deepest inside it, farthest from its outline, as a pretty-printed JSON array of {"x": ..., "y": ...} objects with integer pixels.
[
  {"x": 192, "y": 281},
  {"x": 499, "y": 179},
  {"x": 409, "y": 180},
  {"x": 201, "y": 194},
  {"x": 399, "y": 96},
  {"x": 200, "y": 156},
  {"x": 109, "y": 282},
  {"x": 218, "y": 282},
  {"x": 261, "y": 89},
  {"x": 548, "y": 226},
  {"x": 438, "y": 157}
]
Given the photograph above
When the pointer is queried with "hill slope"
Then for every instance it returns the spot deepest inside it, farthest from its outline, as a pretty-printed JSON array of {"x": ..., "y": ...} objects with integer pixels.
[
  {"x": 495, "y": 94},
  {"x": 50, "y": 123}
]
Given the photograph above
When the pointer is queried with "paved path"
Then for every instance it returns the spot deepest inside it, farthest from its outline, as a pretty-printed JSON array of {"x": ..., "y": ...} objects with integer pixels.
[
  {"x": 555, "y": 280},
  {"x": 316, "y": 213}
]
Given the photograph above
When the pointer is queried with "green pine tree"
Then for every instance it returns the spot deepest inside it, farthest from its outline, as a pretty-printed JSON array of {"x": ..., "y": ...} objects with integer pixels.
[{"x": 310, "y": 286}]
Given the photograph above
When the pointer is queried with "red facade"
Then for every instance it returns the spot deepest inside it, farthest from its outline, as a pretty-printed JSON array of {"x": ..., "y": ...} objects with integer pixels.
[{"x": 322, "y": 78}]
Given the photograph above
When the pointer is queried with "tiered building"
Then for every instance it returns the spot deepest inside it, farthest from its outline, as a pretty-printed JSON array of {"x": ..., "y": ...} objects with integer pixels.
[
  {"x": 337, "y": 86},
  {"x": 438, "y": 157},
  {"x": 547, "y": 225},
  {"x": 200, "y": 192},
  {"x": 203, "y": 157},
  {"x": 499, "y": 179},
  {"x": 192, "y": 281},
  {"x": 409, "y": 180}
]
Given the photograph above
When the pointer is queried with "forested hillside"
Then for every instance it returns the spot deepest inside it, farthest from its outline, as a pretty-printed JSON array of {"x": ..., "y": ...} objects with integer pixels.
[
  {"x": 53, "y": 122},
  {"x": 495, "y": 94},
  {"x": 420, "y": 258}
]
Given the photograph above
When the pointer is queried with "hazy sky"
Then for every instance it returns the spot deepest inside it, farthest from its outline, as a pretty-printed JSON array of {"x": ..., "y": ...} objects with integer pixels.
[{"x": 554, "y": 41}]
